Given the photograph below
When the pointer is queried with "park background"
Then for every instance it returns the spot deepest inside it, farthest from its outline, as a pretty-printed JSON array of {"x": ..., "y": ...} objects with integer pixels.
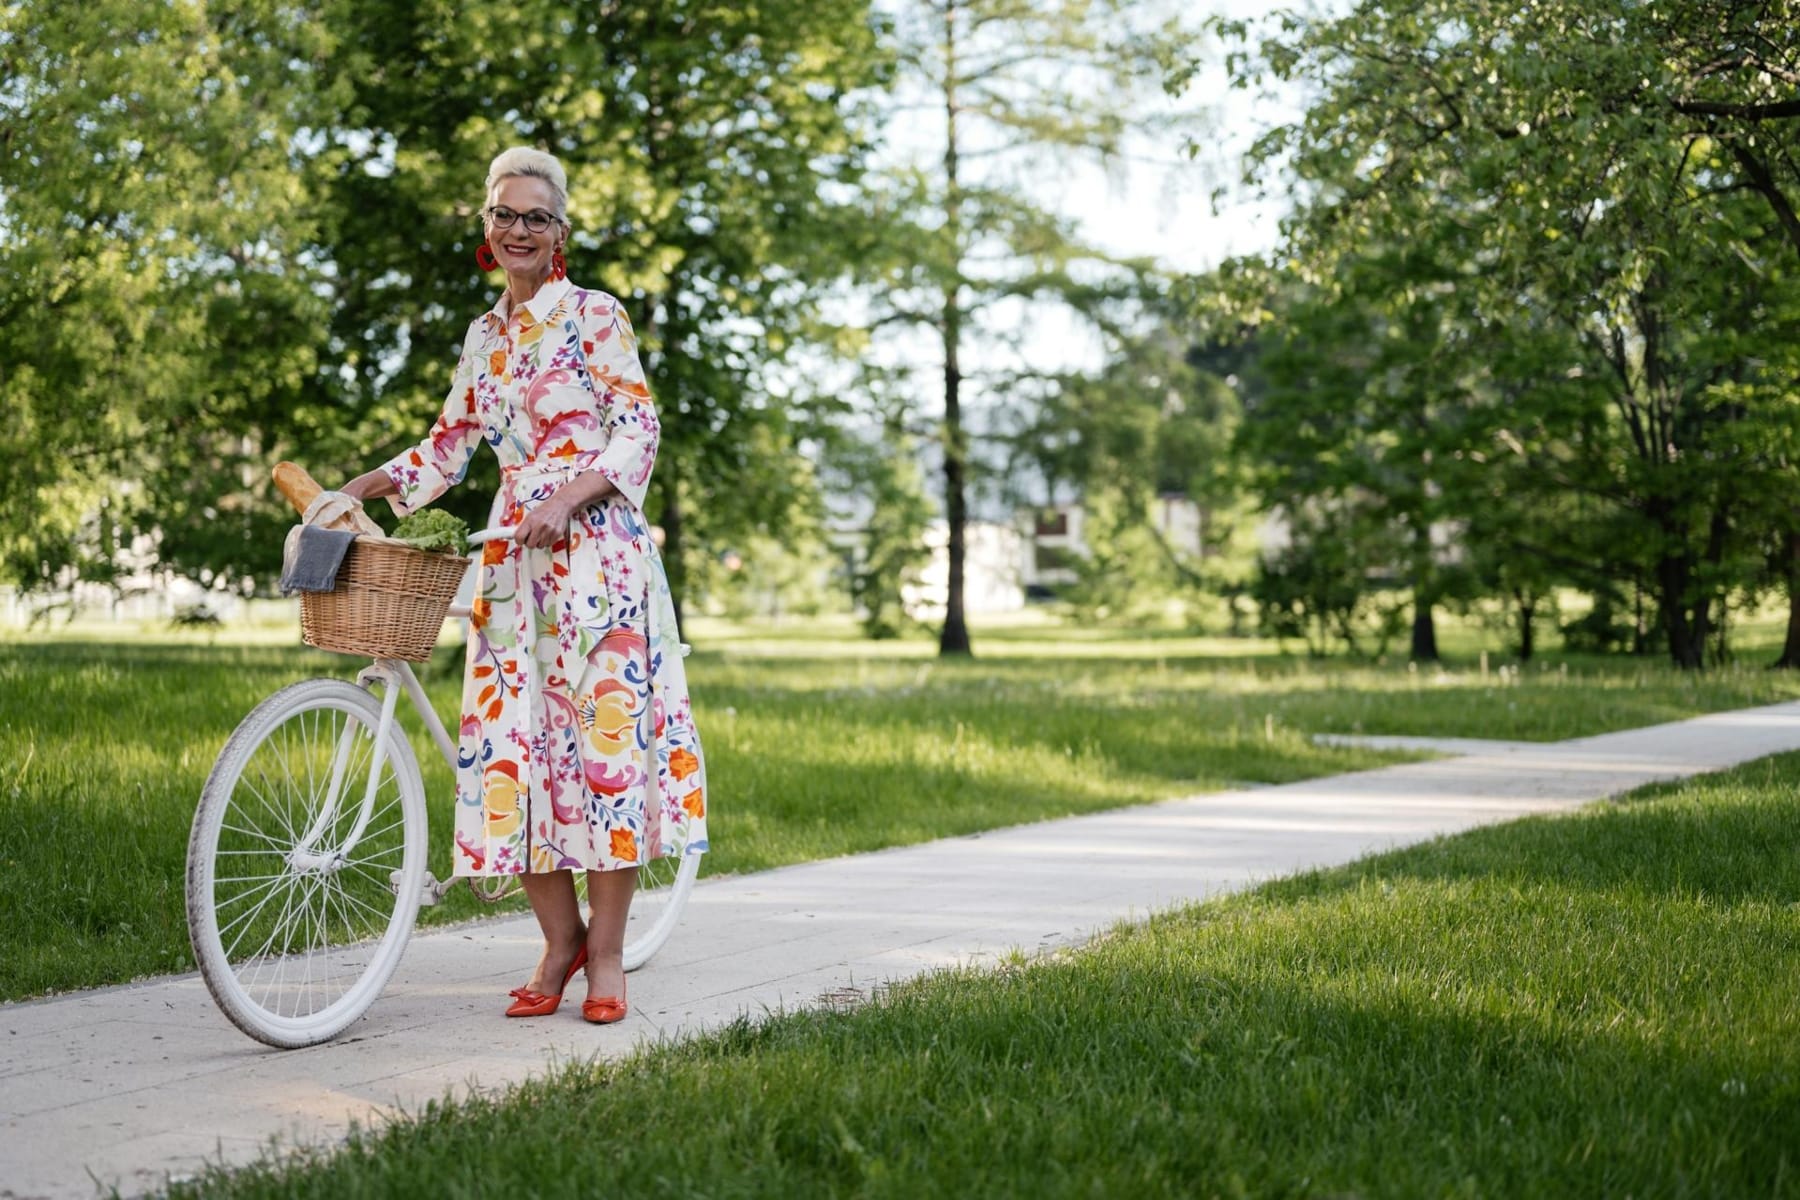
[
  {"x": 1455, "y": 397},
  {"x": 1513, "y": 340}
]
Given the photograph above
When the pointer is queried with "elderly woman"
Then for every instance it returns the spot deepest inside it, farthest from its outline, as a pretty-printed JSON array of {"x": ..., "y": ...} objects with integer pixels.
[{"x": 578, "y": 750}]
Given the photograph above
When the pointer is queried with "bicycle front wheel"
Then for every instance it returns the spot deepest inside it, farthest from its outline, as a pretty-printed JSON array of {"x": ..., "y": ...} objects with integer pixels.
[{"x": 305, "y": 863}]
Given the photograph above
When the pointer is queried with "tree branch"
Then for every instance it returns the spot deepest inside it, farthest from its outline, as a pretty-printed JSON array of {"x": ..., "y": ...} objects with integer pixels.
[
  {"x": 1764, "y": 182},
  {"x": 1779, "y": 111}
]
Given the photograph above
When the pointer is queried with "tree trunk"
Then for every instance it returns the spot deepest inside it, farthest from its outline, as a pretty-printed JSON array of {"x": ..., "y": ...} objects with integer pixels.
[
  {"x": 955, "y": 637},
  {"x": 1424, "y": 631},
  {"x": 1527, "y": 607},
  {"x": 1790, "y": 650},
  {"x": 1685, "y": 617},
  {"x": 1640, "y": 629},
  {"x": 674, "y": 561},
  {"x": 1686, "y": 634}
]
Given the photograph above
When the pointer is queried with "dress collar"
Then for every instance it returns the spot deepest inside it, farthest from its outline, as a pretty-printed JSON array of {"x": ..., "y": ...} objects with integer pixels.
[{"x": 539, "y": 307}]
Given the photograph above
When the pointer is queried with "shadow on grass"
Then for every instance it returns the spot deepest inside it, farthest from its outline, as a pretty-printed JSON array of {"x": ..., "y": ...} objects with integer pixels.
[
  {"x": 1138, "y": 1081},
  {"x": 1725, "y": 839},
  {"x": 1381, "y": 1045},
  {"x": 1596, "y": 1005}
]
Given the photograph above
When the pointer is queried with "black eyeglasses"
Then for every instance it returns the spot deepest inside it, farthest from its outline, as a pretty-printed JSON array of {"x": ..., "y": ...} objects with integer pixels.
[{"x": 537, "y": 220}]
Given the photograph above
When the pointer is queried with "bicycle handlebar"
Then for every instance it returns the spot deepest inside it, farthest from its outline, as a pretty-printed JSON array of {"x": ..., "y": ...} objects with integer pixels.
[{"x": 492, "y": 535}]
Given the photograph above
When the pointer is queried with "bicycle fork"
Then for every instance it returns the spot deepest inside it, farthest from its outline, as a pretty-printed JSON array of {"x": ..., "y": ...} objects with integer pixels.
[{"x": 307, "y": 856}]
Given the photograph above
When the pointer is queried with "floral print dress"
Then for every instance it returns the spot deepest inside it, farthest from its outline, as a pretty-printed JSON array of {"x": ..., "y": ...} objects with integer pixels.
[{"x": 577, "y": 747}]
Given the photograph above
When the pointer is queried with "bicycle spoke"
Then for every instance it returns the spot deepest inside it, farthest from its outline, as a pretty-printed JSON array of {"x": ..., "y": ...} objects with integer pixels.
[
  {"x": 240, "y": 878},
  {"x": 242, "y": 926},
  {"x": 275, "y": 810},
  {"x": 377, "y": 914},
  {"x": 269, "y": 806},
  {"x": 276, "y": 799},
  {"x": 369, "y": 835},
  {"x": 283, "y": 915},
  {"x": 274, "y": 887}
]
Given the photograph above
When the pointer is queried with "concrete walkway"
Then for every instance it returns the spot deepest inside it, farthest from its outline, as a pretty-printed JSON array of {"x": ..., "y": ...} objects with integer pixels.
[{"x": 126, "y": 1086}]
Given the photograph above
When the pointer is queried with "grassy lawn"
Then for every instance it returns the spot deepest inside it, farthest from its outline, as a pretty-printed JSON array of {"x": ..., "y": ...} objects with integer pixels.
[
  {"x": 1603, "y": 1004},
  {"x": 818, "y": 744}
]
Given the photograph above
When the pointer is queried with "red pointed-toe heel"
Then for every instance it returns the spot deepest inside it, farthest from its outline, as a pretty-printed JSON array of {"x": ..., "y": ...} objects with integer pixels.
[
  {"x": 603, "y": 1010},
  {"x": 527, "y": 1003}
]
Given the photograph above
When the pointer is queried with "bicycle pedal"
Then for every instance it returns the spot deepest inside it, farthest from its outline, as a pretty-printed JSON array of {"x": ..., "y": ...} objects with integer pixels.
[{"x": 431, "y": 888}]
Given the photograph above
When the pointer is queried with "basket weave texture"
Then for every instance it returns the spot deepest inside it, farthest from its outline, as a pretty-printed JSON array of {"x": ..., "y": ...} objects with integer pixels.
[{"x": 390, "y": 602}]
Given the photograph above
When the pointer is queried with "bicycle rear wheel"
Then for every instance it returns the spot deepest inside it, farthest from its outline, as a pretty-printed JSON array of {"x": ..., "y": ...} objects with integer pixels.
[
  {"x": 306, "y": 863},
  {"x": 662, "y": 893}
]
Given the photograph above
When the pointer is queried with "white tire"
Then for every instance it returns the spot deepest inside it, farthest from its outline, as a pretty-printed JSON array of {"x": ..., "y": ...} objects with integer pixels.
[
  {"x": 662, "y": 893},
  {"x": 299, "y": 909}
]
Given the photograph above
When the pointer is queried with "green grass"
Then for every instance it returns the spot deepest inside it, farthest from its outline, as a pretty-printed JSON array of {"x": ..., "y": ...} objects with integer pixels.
[
  {"x": 1603, "y": 1004},
  {"x": 817, "y": 745}
]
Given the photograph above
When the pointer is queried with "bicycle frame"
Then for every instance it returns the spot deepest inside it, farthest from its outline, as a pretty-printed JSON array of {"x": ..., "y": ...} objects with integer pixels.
[{"x": 396, "y": 676}]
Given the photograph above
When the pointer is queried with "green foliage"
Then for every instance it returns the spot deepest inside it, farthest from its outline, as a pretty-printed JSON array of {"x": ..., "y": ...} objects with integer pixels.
[
  {"x": 1126, "y": 577},
  {"x": 1135, "y": 443},
  {"x": 246, "y": 233},
  {"x": 158, "y": 294},
  {"x": 772, "y": 577},
  {"x": 882, "y": 476},
  {"x": 1365, "y": 393},
  {"x": 1577, "y": 225},
  {"x": 1319, "y": 586},
  {"x": 1600, "y": 630}
]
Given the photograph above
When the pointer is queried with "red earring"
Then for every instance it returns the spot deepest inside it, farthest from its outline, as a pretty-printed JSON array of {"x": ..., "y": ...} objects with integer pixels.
[
  {"x": 559, "y": 269},
  {"x": 484, "y": 257}
]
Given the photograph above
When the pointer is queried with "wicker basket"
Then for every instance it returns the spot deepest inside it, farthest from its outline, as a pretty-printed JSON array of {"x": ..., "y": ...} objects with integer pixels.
[{"x": 390, "y": 602}]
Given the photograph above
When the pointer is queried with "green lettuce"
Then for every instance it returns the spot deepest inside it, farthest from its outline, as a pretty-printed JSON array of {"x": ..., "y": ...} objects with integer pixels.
[{"x": 434, "y": 529}]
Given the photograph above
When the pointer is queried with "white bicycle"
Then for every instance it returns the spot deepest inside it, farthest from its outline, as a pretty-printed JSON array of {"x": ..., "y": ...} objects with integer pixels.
[{"x": 306, "y": 863}]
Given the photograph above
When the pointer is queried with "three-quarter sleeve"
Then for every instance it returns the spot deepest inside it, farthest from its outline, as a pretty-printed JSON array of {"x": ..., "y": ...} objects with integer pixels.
[
  {"x": 629, "y": 416},
  {"x": 426, "y": 471}
]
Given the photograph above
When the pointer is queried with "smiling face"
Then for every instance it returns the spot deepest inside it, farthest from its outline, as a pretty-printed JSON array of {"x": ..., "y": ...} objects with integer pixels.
[{"x": 522, "y": 253}]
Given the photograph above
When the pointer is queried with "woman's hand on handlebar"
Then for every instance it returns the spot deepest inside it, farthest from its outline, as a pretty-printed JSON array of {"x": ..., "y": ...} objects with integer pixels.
[
  {"x": 545, "y": 525},
  {"x": 548, "y": 523}
]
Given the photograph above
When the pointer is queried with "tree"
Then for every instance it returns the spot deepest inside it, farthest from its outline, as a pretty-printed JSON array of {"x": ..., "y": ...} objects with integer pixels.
[
  {"x": 1368, "y": 394},
  {"x": 1613, "y": 170},
  {"x": 881, "y": 475},
  {"x": 711, "y": 149},
  {"x": 1156, "y": 423},
  {"x": 1019, "y": 84},
  {"x": 277, "y": 214},
  {"x": 156, "y": 278}
]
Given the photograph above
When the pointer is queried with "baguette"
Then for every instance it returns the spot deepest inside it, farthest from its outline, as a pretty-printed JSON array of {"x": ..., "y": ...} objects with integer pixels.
[{"x": 301, "y": 489}]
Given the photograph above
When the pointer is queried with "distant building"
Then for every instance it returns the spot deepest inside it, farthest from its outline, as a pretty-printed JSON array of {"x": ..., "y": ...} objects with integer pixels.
[
  {"x": 1054, "y": 547},
  {"x": 992, "y": 560},
  {"x": 1056, "y": 539}
]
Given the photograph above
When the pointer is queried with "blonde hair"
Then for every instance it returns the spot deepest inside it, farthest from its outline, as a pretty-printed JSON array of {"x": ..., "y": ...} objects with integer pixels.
[{"x": 532, "y": 163}]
